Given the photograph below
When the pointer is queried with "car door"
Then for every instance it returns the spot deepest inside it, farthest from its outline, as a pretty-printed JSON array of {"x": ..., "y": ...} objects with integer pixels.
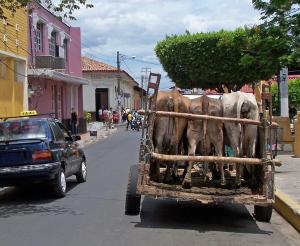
[
  {"x": 76, "y": 158},
  {"x": 62, "y": 148}
]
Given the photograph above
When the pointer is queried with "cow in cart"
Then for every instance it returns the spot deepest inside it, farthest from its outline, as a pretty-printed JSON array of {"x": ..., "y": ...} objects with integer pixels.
[{"x": 216, "y": 189}]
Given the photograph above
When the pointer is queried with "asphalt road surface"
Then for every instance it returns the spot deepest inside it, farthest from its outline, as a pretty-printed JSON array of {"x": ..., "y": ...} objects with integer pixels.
[{"x": 93, "y": 213}]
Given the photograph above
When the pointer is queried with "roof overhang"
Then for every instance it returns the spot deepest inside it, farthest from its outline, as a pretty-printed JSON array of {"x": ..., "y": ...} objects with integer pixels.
[{"x": 55, "y": 75}]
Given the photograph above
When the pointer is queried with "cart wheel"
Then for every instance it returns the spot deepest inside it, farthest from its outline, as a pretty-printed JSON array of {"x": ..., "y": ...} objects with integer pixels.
[
  {"x": 263, "y": 214},
  {"x": 133, "y": 200}
]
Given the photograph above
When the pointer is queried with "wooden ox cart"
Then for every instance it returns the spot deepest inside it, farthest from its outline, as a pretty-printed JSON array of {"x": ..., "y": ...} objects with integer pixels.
[{"x": 261, "y": 195}]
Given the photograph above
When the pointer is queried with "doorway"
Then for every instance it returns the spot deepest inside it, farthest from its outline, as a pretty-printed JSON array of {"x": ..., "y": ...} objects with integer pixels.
[{"x": 101, "y": 97}]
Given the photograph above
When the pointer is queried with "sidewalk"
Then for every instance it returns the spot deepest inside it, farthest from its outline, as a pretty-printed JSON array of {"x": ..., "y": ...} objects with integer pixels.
[{"x": 287, "y": 177}]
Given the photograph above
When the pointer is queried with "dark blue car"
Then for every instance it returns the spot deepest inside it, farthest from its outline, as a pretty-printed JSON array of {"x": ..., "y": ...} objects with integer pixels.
[{"x": 34, "y": 150}]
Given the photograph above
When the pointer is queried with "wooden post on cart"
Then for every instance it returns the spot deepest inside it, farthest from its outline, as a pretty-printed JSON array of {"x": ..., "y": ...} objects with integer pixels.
[
  {"x": 152, "y": 90},
  {"x": 266, "y": 144}
]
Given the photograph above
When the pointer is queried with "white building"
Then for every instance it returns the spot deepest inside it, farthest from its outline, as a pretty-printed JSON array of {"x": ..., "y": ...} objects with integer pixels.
[{"x": 102, "y": 90}]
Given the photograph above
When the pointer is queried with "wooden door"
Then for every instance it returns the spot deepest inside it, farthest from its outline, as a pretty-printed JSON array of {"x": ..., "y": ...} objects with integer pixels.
[{"x": 101, "y": 97}]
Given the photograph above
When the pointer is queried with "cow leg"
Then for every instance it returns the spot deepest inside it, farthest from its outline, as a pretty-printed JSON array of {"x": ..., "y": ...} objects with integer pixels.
[
  {"x": 185, "y": 151},
  {"x": 175, "y": 175},
  {"x": 251, "y": 143},
  {"x": 218, "y": 144},
  {"x": 221, "y": 167},
  {"x": 237, "y": 151},
  {"x": 187, "y": 181},
  {"x": 168, "y": 175},
  {"x": 205, "y": 171},
  {"x": 155, "y": 169}
]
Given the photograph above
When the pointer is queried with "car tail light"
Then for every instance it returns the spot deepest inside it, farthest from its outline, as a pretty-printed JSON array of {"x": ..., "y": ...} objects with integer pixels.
[{"x": 42, "y": 155}]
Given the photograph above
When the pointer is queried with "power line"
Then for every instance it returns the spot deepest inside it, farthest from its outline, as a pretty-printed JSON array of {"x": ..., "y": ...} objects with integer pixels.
[{"x": 129, "y": 68}]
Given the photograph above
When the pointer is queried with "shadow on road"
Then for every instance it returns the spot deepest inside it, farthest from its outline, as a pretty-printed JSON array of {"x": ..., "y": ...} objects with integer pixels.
[
  {"x": 194, "y": 216},
  {"x": 34, "y": 199}
]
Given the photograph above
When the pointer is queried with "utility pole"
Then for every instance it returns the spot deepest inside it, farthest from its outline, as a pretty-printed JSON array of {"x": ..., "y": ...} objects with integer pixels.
[
  {"x": 119, "y": 70},
  {"x": 142, "y": 91},
  {"x": 284, "y": 95},
  {"x": 119, "y": 89},
  {"x": 144, "y": 70}
]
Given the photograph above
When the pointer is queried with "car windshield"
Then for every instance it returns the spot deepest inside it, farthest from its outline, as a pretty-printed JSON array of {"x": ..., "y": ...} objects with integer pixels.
[{"x": 22, "y": 129}]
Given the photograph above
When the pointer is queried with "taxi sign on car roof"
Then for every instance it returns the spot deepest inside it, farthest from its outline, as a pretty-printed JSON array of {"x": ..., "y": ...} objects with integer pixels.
[{"x": 28, "y": 113}]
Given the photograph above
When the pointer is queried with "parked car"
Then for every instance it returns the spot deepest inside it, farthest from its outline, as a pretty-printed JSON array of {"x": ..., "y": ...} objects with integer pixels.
[{"x": 35, "y": 150}]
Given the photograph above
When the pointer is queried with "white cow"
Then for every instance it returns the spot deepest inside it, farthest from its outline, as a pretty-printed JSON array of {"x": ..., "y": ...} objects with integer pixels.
[{"x": 242, "y": 138}]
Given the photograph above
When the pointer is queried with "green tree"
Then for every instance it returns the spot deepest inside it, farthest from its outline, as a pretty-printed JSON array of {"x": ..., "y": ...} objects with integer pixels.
[
  {"x": 230, "y": 58},
  {"x": 294, "y": 95},
  {"x": 284, "y": 14},
  {"x": 64, "y": 7}
]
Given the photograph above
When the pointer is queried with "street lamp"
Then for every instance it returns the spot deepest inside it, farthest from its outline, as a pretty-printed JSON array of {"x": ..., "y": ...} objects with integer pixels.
[{"x": 119, "y": 58}]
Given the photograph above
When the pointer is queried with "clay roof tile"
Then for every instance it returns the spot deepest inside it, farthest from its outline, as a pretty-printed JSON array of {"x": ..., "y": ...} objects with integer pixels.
[{"x": 89, "y": 65}]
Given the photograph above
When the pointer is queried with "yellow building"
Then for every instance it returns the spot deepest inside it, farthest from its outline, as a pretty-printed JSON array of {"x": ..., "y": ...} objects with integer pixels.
[{"x": 13, "y": 63}]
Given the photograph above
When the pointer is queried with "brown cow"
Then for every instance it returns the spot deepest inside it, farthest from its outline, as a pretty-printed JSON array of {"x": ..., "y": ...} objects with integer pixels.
[
  {"x": 168, "y": 132},
  {"x": 206, "y": 133}
]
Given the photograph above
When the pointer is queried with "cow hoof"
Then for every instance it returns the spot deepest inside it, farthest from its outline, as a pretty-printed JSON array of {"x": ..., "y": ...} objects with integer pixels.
[
  {"x": 176, "y": 177},
  {"x": 168, "y": 179},
  {"x": 155, "y": 178},
  {"x": 187, "y": 184}
]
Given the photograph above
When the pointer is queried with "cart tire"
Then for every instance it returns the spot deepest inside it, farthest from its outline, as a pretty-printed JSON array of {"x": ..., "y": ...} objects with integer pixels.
[
  {"x": 263, "y": 214},
  {"x": 133, "y": 200}
]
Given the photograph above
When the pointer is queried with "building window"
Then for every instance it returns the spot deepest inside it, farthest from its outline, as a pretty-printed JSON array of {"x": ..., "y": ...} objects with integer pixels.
[
  {"x": 52, "y": 44},
  {"x": 38, "y": 39},
  {"x": 66, "y": 48}
]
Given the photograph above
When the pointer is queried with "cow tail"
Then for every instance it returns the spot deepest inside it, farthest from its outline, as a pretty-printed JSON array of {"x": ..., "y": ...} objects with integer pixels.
[
  {"x": 176, "y": 109},
  {"x": 170, "y": 108},
  {"x": 241, "y": 100},
  {"x": 204, "y": 136}
]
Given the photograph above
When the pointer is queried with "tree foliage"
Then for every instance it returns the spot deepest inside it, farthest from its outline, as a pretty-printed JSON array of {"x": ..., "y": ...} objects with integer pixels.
[
  {"x": 231, "y": 58},
  {"x": 284, "y": 14},
  {"x": 64, "y": 7},
  {"x": 293, "y": 91}
]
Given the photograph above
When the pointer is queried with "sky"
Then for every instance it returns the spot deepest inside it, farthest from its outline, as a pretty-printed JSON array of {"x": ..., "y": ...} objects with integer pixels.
[{"x": 133, "y": 27}]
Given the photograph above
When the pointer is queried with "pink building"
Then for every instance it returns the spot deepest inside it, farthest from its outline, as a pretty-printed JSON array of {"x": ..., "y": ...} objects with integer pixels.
[{"x": 55, "y": 74}]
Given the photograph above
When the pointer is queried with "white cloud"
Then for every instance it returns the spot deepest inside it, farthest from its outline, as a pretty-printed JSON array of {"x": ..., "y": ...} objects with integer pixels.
[{"x": 135, "y": 26}]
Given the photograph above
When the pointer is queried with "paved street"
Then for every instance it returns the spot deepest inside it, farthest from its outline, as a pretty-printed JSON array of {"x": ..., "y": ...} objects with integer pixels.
[{"x": 92, "y": 214}]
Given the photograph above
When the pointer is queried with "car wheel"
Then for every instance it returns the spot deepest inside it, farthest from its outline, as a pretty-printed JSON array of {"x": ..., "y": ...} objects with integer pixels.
[
  {"x": 82, "y": 173},
  {"x": 263, "y": 214},
  {"x": 60, "y": 184}
]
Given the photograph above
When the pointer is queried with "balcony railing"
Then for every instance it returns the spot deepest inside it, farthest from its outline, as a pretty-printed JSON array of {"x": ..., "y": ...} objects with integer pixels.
[{"x": 50, "y": 62}]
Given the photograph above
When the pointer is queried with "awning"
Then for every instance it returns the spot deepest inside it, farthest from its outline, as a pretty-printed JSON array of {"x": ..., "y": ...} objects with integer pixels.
[{"x": 56, "y": 75}]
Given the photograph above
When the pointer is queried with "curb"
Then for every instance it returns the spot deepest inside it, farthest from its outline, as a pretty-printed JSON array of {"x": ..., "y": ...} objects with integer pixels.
[{"x": 288, "y": 208}]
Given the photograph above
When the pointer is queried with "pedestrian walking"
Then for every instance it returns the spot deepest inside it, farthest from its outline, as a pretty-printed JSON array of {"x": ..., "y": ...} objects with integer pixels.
[
  {"x": 74, "y": 122},
  {"x": 110, "y": 118},
  {"x": 100, "y": 111},
  {"x": 124, "y": 116},
  {"x": 129, "y": 121}
]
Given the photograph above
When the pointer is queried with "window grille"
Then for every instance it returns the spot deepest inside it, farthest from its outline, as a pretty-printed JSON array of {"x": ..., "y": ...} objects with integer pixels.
[
  {"x": 38, "y": 39},
  {"x": 52, "y": 44}
]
